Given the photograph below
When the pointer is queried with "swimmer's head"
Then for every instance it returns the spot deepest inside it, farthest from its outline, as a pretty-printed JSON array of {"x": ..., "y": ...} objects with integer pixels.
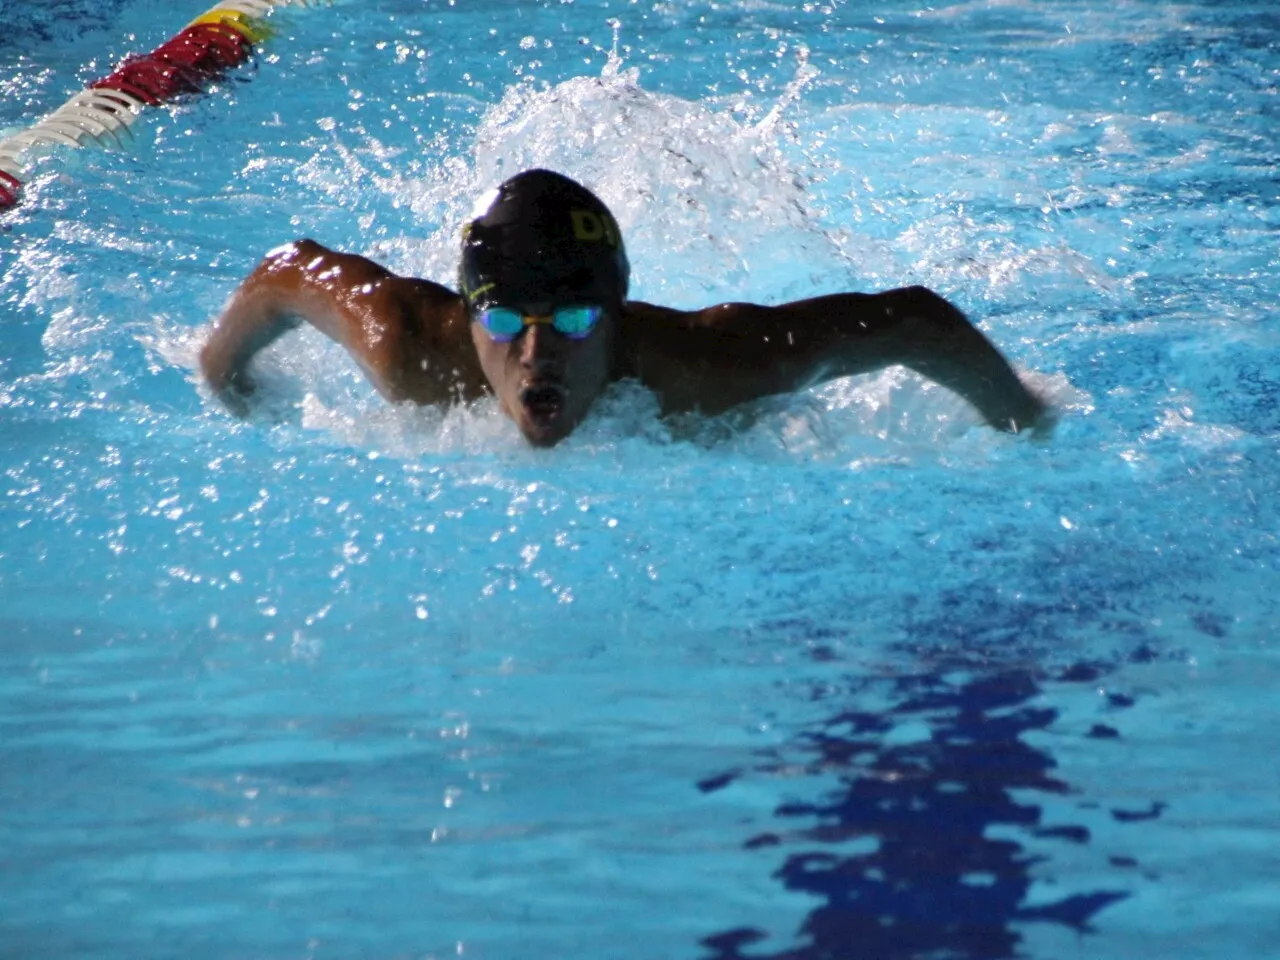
[
  {"x": 544, "y": 250},
  {"x": 540, "y": 239}
]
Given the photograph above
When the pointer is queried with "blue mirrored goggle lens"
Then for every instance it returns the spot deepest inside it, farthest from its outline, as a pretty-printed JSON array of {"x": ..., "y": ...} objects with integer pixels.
[
  {"x": 504, "y": 324},
  {"x": 576, "y": 322}
]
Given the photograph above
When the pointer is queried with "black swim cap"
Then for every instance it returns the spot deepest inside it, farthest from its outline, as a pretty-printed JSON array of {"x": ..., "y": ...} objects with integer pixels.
[{"x": 543, "y": 241}]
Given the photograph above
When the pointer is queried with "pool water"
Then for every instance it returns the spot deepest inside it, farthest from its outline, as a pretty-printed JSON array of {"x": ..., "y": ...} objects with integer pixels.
[{"x": 846, "y": 675}]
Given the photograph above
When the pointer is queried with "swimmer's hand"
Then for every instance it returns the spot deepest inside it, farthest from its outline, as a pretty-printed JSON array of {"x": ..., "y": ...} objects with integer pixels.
[
  {"x": 1041, "y": 422},
  {"x": 260, "y": 311},
  {"x": 1010, "y": 406},
  {"x": 936, "y": 339},
  {"x": 224, "y": 363},
  {"x": 236, "y": 392}
]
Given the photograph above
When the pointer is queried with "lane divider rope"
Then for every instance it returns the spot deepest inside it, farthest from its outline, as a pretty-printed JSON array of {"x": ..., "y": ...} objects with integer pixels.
[{"x": 222, "y": 37}]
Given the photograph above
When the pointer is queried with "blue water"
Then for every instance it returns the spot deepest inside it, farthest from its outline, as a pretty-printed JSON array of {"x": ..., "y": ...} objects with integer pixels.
[{"x": 845, "y": 676}]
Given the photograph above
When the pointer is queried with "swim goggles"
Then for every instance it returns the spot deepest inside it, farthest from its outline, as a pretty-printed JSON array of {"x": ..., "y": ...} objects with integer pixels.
[{"x": 504, "y": 324}]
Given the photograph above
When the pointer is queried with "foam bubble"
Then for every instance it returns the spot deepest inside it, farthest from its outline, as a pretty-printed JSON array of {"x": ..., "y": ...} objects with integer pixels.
[{"x": 710, "y": 202}]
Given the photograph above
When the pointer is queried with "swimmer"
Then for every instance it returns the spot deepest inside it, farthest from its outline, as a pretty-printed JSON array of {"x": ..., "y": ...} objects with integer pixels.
[{"x": 543, "y": 323}]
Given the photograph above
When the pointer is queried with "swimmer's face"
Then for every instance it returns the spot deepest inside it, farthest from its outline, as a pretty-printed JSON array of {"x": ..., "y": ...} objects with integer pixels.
[{"x": 546, "y": 381}]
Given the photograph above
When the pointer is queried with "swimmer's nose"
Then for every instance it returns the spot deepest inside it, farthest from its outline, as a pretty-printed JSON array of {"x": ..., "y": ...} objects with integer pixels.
[{"x": 539, "y": 348}]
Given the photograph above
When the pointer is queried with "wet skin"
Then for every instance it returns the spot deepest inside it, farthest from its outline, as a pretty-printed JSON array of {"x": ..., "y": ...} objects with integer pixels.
[{"x": 415, "y": 342}]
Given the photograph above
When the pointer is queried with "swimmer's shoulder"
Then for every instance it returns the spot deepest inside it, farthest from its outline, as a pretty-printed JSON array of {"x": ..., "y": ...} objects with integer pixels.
[
  {"x": 435, "y": 356},
  {"x": 661, "y": 345},
  {"x": 649, "y": 319},
  {"x": 411, "y": 335},
  {"x": 435, "y": 309},
  {"x": 362, "y": 288},
  {"x": 640, "y": 316},
  {"x": 647, "y": 328}
]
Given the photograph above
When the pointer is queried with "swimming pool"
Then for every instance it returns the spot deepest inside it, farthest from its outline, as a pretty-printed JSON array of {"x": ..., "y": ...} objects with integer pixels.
[{"x": 851, "y": 678}]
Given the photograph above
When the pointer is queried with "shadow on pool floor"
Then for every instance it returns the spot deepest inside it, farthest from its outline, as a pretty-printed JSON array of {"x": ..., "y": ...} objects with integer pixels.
[{"x": 937, "y": 885}]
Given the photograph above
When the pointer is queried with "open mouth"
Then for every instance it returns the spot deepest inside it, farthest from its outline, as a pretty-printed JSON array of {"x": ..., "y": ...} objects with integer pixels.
[{"x": 543, "y": 402}]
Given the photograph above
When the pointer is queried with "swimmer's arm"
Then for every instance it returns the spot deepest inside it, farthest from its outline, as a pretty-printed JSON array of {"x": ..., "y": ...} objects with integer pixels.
[
  {"x": 756, "y": 351},
  {"x": 924, "y": 332},
  {"x": 389, "y": 324}
]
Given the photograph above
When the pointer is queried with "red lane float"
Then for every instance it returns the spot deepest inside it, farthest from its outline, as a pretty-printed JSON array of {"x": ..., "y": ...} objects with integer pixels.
[{"x": 218, "y": 40}]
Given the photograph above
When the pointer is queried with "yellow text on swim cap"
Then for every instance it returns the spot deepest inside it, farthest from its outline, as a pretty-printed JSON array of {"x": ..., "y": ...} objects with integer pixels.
[{"x": 591, "y": 227}]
